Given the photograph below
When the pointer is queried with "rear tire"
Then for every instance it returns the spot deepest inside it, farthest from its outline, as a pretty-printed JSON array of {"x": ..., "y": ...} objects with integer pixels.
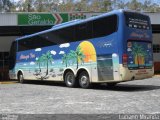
[
  {"x": 84, "y": 80},
  {"x": 20, "y": 78},
  {"x": 70, "y": 80}
]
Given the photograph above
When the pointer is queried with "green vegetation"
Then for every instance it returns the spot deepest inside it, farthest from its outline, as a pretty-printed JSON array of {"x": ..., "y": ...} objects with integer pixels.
[{"x": 79, "y": 5}]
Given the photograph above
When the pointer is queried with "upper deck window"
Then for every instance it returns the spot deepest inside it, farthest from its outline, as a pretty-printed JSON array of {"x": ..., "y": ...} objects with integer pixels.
[
  {"x": 137, "y": 21},
  {"x": 105, "y": 26}
]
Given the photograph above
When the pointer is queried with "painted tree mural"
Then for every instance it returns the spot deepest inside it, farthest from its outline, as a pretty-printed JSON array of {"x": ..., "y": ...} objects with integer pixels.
[
  {"x": 139, "y": 54},
  {"x": 79, "y": 56},
  {"x": 39, "y": 63},
  {"x": 65, "y": 59},
  {"x": 44, "y": 60},
  {"x": 72, "y": 57},
  {"x": 47, "y": 59}
]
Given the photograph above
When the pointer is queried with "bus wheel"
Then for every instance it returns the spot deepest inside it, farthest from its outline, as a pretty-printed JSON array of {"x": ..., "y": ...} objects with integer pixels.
[
  {"x": 84, "y": 80},
  {"x": 20, "y": 78},
  {"x": 70, "y": 80},
  {"x": 111, "y": 84}
]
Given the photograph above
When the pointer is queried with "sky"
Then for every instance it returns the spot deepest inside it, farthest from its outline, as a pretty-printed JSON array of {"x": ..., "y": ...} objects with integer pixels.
[{"x": 153, "y": 1}]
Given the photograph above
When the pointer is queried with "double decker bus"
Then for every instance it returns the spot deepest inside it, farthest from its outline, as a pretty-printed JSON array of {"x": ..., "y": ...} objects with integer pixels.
[{"x": 110, "y": 48}]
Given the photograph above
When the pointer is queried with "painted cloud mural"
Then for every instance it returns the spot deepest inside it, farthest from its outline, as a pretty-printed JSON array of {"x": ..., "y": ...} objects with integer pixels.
[{"x": 66, "y": 45}]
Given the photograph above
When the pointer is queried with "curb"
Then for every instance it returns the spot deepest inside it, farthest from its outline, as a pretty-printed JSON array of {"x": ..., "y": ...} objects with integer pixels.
[
  {"x": 156, "y": 76},
  {"x": 9, "y": 82}
]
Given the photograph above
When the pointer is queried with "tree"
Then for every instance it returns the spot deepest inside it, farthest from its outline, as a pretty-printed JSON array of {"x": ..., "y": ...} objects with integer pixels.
[
  {"x": 106, "y": 5},
  {"x": 82, "y": 5},
  {"x": 66, "y": 6},
  {"x": 146, "y": 5},
  {"x": 25, "y": 6},
  {"x": 76, "y": 5},
  {"x": 95, "y": 6},
  {"x": 119, "y": 4},
  {"x": 134, "y": 5},
  {"x": 5, "y": 6},
  {"x": 39, "y": 5}
]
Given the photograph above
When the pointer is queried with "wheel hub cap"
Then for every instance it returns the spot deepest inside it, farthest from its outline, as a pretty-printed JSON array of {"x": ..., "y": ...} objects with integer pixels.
[
  {"x": 84, "y": 80},
  {"x": 69, "y": 79}
]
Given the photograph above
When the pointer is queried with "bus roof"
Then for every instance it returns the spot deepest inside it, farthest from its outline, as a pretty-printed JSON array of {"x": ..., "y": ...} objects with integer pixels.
[{"x": 74, "y": 22}]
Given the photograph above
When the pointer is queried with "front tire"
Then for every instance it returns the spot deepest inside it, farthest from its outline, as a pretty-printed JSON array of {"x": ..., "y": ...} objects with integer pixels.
[
  {"x": 20, "y": 78},
  {"x": 84, "y": 80},
  {"x": 70, "y": 80}
]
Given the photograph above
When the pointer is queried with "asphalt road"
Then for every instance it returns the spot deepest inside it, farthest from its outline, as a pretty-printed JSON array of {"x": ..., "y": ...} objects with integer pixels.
[{"x": 142, "y": 97}]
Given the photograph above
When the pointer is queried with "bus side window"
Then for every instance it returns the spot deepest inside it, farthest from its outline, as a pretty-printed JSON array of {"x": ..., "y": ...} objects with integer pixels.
[
  {"x": 105, "y": 26},
  {"x": 33, "y": 43},
  {"x": 64, "y": 35},
  {"x": 84, "y": 31}
]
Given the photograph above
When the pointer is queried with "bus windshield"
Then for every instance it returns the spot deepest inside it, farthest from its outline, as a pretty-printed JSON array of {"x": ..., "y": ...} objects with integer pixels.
[
  {"x": 139, "y": 55},
  {"x": 12, "y": 56},
  {"x": 138, "y": 21}
]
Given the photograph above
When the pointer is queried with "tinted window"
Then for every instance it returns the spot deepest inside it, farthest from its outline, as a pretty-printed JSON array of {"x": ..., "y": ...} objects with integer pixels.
[
  {"x": 104, "y": 26},
  {"x": 1, "y": 55},
  {"x": 84, "y": 31},
  {"x": 12, "y": 55},
  {"x": 135, "y": 20},
  {"x": 64, "y": 35},
  {"x": 156, "y": 48},
  {"x": 34, "y": 42}
]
